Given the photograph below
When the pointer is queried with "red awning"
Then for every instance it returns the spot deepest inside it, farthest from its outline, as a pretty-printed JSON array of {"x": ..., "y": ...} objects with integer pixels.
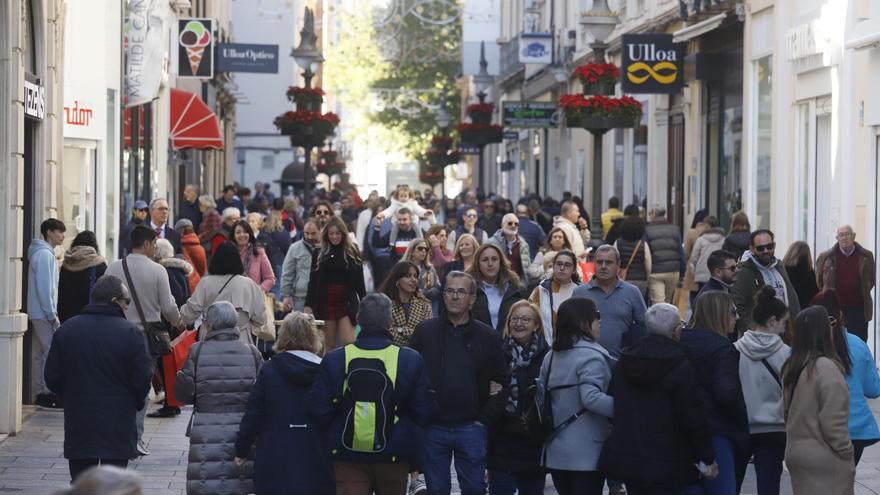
[{"x": 193, "y": 124}]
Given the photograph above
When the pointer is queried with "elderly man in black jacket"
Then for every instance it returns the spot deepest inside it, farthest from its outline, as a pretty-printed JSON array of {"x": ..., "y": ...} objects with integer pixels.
[
  {"x": 660, "y": 441},
  {"x": 467, "y": 369},
  {"x": 98, "y": 364}
]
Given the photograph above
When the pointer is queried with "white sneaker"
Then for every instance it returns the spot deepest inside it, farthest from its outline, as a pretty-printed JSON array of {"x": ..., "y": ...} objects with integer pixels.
[
  {"x": 142, "y": 448},
  {"x": 417, "y": 486}
]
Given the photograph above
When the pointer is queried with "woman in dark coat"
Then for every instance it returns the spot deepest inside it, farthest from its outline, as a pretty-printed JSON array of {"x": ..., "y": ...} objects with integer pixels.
[
  {"x": 336, "y": 284},
  {"x": 513, "y": 458},
  {"x": 277, "y": 242},
  {"x": 498, "y": 287},
  {"x": 217, "y": 379},
  {"x": 290, "y": 450},
  {"x": 737, "y": 242},
  {"x": 632, "y": 230},
  {"x": 178, "y": 270},
  {"x": 81, "y": 268},
  {"x": 798, "y": 262},
  {"x": 717, "y": 364}
]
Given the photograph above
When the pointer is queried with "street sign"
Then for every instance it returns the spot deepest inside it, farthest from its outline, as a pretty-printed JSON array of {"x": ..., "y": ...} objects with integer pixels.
[
  {"x": 241, "y": 57},
  {"x": 528, "y": 114},
  {"x": 652, "y": 64},
  {"x": 195, "y": 48},
  {"x": 511, "y": 135}
]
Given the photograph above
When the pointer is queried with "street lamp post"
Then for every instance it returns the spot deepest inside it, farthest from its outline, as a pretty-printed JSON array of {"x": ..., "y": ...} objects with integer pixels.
[
  {"x": 309, "y": 58},
  {"x": 443, "y": 120},
  {"x": 482, "y": 83},
  {"x": 599, "y": 21}
]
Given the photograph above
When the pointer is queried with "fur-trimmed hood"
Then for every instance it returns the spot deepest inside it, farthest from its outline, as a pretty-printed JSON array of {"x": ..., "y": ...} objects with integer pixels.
[
  {"x": 178, "y": 263},
  {"x": 79, "y": 258}
]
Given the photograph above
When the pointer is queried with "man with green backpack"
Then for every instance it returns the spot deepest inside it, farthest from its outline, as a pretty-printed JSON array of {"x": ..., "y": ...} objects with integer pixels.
[{"x": 372, "y": 399}]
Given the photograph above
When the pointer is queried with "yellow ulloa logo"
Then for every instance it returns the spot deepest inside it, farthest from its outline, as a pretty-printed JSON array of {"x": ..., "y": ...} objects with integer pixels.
[{"x": 662, "y": 72}]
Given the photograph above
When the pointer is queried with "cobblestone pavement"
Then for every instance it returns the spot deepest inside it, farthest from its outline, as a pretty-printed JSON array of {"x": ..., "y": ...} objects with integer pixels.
[{"x": 31, "y": 462}]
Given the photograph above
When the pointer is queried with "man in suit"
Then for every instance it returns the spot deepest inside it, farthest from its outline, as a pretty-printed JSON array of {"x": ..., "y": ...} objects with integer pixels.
[{"x": 159, "y": 223}]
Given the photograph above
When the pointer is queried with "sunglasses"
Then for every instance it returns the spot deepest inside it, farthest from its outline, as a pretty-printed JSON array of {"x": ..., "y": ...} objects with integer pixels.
[
  {"x": 421, "y": 248},
  {"x": 471, "y": 215},
  {"x": 322, "y": 213},
  {"x": 765, "y": 247},
  {"x": 513, "y": 224}
]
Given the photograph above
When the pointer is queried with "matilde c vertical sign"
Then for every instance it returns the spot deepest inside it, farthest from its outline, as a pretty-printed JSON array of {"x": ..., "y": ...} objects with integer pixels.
[{"x": 652, "y": 63}]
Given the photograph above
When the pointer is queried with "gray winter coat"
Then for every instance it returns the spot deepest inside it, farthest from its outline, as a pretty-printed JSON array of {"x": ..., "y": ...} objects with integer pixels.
[
  {"x": 577, "y": 446},
  {"x": 296, "y": 269},
  {"x": 218, "y": 386}
]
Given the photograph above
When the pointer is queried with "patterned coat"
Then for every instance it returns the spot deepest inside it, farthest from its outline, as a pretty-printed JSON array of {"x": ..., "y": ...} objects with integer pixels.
[{"x": 402, "y": 327}]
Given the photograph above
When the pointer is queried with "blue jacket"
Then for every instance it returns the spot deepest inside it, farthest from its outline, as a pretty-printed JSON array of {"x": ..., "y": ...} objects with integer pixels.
[
  {"x": 42, "y": 296},
  {"x": 412, "y": 397},
  {"x": 98, "y": 364},
  {"x": 290, "y": 450},
  {"x": 864, "y": 382},
  {"x": 533, "y": 234}
]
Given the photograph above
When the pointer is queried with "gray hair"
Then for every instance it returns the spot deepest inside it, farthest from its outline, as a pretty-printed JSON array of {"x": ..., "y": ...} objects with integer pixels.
[
  {"x": 107, "y": 480},
  {"x": 457, "y": 274},
  {"x": 230, "y": 212},
  {"x": 662, "y": 319},
  {"x": 107, "y": 288},
  {"x": 207, "y": 201},
  {"x": 222, "y": 314},
  {"x": 374, "y": 311},
  {"x": 156, "y": 200},
  {"x": 605, "y": 248},
  {"x": 164, "y": 250}
]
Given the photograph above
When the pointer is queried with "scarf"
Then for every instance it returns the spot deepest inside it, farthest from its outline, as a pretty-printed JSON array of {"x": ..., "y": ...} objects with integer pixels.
[{"x": 519, "y": 357}]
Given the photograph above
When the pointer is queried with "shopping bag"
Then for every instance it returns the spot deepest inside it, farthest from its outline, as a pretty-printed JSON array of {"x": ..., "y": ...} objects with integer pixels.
[
  {"x": 172, "y": 363},
  {"x": 588, "y": 269}
]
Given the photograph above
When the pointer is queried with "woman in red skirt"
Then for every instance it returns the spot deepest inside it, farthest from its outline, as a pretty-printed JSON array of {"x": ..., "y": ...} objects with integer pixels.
[{"x": 336, "y": 284}]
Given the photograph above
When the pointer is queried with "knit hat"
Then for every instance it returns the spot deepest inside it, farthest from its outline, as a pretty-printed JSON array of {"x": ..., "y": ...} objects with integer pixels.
[{"x": 183, "y": 222}]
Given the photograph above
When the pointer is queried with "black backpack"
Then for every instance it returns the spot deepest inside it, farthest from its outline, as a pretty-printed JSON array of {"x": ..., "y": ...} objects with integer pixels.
[{"x": 367, "y": 391}]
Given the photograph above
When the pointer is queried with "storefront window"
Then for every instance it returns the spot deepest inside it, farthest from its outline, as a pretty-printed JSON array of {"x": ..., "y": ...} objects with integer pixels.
[
  {"x": 618, "y": 162},
  {"x": 111, "y": 181},
  {"x": 763, "y": 71},
  {"x": 803, "y": 193},
  {"x": 77, "y": 187},
  {"x": 640, "y": 159}
]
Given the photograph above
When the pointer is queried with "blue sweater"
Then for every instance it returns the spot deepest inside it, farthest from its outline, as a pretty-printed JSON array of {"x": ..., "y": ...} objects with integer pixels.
[{"x": 864, "y": 382}]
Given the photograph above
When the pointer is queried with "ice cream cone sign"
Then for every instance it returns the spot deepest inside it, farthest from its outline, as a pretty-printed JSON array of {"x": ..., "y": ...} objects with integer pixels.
[{"x": 195, "y": 39}]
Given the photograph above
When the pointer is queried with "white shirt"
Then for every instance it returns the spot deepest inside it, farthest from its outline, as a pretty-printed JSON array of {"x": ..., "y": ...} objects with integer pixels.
[{"x": 154, "y": 227}]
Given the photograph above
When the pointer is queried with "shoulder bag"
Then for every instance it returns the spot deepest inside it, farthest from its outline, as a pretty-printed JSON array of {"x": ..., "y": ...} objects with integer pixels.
[
  {"x": 158, "y": 339},
  {"x": 623, "y": 272},
  {"x": 539, "y": 416},
  {"x": 205, "y": 327}
]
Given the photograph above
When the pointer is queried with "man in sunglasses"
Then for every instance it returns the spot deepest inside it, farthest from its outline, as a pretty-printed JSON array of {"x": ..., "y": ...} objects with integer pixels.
[
  {"x": 761, "y": 267},
  {"x": 849, "y": 268},
  {"x": 517, "y": 250},
  {"x": 321, "y": 212},
  {"x": 722, "y": 269}
]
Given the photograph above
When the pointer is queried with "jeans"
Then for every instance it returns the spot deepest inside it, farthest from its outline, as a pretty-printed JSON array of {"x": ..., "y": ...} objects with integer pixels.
[
  {"x": 142, "y": 414},
  {"x": 467, "y": 444},
  {"x": 503, "y": 482},
  {"x": 578, "y": 482},
  {"x": 730, "y": 465},
  {"x": 77, "y": 466},
  {"x": 41, "y": 341},
  {"x": 768, "y": 450}
]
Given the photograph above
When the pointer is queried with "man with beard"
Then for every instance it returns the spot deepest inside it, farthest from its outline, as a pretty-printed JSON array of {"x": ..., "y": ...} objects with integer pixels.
[{"x": 297, "y": 267}]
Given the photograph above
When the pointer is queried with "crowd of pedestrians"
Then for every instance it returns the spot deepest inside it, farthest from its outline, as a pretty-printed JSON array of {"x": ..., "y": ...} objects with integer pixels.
[{"x": 375, "y": 345}]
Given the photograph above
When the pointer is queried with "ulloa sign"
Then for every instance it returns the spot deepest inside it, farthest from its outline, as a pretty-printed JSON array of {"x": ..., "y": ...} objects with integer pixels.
[{"x": 652, "y": 63}]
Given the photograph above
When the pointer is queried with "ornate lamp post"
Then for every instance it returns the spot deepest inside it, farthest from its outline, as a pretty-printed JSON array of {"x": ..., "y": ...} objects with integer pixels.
[
  {"x": 443, "y": 121},
  {"x": 483, "y": 83},
  {"x": 481, "y": 131},
  {"x": 309, "y": 58}
]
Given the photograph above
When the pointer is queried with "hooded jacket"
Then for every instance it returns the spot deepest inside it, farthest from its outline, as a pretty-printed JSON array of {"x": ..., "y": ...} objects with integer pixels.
[
  {"x": 659, "y": 449},
  {"x": 710, "y": 241},
  {"x": 42, "y": 296},
  {"x": 292, "y": 452},
  {"x": 761, "y": 390},
  {"x": 81, "y": 268},
  {"x": 179, "y": 271},
  {"x": 751, "y": 276}
]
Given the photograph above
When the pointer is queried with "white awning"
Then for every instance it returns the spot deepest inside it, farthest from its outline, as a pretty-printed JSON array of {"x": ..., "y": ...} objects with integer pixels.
[
  {"x": 698, "y": 29},
  {"x": 865, "y": 35}
]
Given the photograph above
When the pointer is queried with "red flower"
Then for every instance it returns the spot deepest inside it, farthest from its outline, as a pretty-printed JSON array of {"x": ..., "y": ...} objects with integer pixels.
[
  {"x": 294, "y": 91},
  {"x": 601, "y": 105},
  {"x": 480, "y": 108},
  {"x": 593, "y": 73}
]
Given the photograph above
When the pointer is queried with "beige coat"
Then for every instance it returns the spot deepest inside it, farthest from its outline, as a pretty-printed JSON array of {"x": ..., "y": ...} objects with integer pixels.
[
  {"x": 690, "y": 238},
  {"x": 242, "y": 292},
  {"x": 818, "y": 451}
]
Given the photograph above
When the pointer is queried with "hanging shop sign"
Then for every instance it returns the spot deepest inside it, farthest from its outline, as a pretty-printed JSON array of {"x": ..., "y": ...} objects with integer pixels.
[
  {"x": 144, "y": 39},
  {"x": 652, "y": 63},
  {"x": 510, "y": 135},
  {"x": 528, "y": 114},
  {"x": 536, "y": 48},
  {"x": 34, "y": 98},
  {"x": 195, "y": 48},
  {"x": 240, "y": 57}
]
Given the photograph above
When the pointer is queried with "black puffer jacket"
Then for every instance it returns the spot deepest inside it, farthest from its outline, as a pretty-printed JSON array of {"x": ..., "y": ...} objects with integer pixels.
[
  {"x": 632, "y": 230},
  {"x": 217, "y": 379},
  {"x": 664, "y": 240},
  {"x": 660, "y": 430}
]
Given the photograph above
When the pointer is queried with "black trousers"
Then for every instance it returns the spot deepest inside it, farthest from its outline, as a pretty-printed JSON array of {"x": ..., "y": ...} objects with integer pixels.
[
  {"x": 77, "y": 466},
  {"x": 578, "y": 482}
]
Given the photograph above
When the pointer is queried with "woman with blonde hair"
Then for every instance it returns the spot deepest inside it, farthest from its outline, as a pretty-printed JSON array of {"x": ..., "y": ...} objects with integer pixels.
[
  {"x": 739, "y": 238},
  {"x": 336, "y": 284},
  {"x": 717, "y": 364},
  {"x": 818, "y": 450},
  {"x": 291, "y": 449},
  {"x": 513, "y": 458},
  {"x": 556, "y": 242},
  {"x": 498, "y": 286},
  {"x": 429, "y": 283},
  {"x": 276, "y": 241},
  {"x": 798, "y": 262}
]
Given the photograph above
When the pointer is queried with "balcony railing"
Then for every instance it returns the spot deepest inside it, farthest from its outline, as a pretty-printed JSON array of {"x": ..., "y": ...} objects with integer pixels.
[{"x": 509, "y": 62}]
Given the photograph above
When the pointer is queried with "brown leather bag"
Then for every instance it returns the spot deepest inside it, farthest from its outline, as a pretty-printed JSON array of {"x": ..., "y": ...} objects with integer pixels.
[{"x": 623, "y": 272}]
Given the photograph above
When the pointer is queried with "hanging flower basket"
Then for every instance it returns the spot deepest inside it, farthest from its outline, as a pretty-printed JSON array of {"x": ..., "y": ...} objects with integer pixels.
[
  {"x": 480, "y": 134},
  {"x": 441, "y": 157},
  {"x": 306, "y": 128},
  {"x": 330, "y": 168},
  {"x": 598, "y": 79},
  {"x": 480, "y": 113},
  {"x": 600, "y": 112},
  {"x": 306, "y": 98},
  {"x": 328, "y": 156},
  {"x": 441, "y": 142},
  {"x": 430, "y": 177}
]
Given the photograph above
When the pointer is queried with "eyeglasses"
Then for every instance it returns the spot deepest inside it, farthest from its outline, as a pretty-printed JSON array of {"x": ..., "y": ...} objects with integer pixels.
[
  {"x": 457, "y": 293},
  {"x": 521, "y": 319},
  {"x": 421, "y": 248},
  {"x": 513, "y": 224},
  {"x": 471, "y": 215},
  {"x": 765, "y": 247},
  {"x": 564, "y": 264},
  {"x": 732, "y": 268}
]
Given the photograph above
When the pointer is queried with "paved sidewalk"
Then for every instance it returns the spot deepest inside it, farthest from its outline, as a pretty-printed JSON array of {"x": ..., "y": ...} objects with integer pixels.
[{"x": 31, "y": 462}]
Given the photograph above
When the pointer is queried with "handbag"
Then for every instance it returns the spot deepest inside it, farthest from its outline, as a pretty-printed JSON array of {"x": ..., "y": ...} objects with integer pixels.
[
  {"x": 266, "y": 331},
  {"x": 539, "y": 416},
  {"x": 158, "y": 339},
  {"x": 623, "y": 272}
]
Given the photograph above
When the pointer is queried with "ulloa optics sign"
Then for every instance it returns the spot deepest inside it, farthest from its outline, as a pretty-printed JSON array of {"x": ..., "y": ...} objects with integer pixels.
[{"x": 652, "y": 63}]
